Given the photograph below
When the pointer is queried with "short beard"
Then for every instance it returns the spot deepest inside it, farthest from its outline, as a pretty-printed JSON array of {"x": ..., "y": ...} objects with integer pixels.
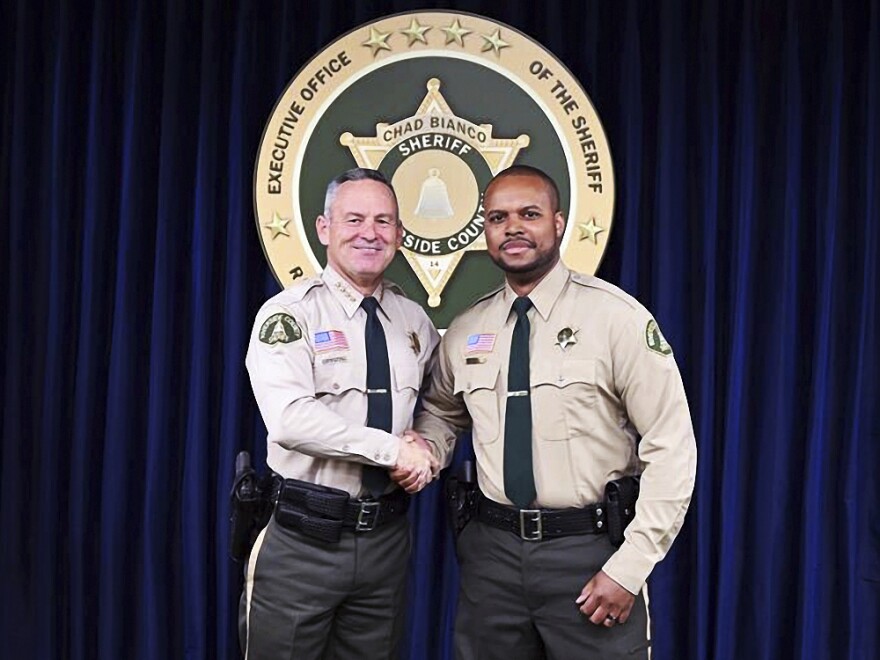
[{"x": 540, "y": 267}]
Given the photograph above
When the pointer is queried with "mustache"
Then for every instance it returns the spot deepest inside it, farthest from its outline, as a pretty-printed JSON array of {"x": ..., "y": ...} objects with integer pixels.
[{"x": 517, "y": 240}]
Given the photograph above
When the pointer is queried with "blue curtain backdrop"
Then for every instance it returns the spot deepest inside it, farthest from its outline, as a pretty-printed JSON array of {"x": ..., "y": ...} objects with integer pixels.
[{"x": 745, "y": 138}]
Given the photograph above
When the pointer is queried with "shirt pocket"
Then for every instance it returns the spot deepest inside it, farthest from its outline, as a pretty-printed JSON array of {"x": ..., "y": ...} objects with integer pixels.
[
  {"x": 406, "y": 375},
  {"x": 337, "y": 378},
  {"x": 406, "y": 382},
  {"x": 563, "y": 399},
  {"x": 478, "y": 385}
]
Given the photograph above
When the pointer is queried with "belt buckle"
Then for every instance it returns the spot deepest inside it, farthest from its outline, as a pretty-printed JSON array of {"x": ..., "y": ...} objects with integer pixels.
[
  {"x": 367, "y": 516},
  {"x": 527, "y": 516}
]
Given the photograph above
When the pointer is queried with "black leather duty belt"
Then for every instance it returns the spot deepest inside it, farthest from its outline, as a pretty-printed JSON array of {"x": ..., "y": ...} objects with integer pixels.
[
  {"x": 539, "y": 524},
  {"x": 323, "y": 512}
]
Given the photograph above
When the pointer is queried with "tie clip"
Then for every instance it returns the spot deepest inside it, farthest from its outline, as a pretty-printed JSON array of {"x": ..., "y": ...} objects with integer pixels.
[
  {"x": 518, "y": 393},
  {"x": 369, "y": 391}
]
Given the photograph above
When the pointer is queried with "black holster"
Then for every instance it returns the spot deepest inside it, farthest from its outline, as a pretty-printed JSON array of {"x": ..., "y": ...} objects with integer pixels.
[
  {"x": 251, "y": 501},
  {"x": 461, "y": 497},
  {"x": 620, "y": 506}
]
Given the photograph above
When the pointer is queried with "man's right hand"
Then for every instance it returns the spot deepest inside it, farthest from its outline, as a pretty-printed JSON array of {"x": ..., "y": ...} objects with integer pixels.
[{"x": 416, "y": 464}]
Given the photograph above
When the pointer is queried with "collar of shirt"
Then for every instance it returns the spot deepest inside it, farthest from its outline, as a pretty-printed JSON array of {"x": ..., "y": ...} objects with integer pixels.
[
  {"x": 543, "y": 296},
  {"x": 347, "y": 296}
]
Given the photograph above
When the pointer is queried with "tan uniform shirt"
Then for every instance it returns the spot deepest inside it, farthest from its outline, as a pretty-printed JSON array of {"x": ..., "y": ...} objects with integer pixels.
[
  {"x": 308, "y": 369},
  {"x": 601, "y": 376}
]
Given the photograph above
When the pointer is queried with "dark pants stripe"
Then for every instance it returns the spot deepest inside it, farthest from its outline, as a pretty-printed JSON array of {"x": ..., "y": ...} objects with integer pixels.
[
  {"x": 312, "y": 600},
  {"x": 517, "y": 600}
]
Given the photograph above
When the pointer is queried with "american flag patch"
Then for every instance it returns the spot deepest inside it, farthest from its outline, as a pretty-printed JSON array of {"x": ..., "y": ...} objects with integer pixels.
[
  {"x": 330, "y": 340},
  {"x": 483, "y": 343}
]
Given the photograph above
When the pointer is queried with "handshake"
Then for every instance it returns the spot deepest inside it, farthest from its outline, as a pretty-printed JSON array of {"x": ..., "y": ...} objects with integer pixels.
[{"x": 416, "y": 465}]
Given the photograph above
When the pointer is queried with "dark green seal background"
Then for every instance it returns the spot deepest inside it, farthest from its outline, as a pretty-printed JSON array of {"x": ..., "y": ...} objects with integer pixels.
[{"x": 394, "y": 92}]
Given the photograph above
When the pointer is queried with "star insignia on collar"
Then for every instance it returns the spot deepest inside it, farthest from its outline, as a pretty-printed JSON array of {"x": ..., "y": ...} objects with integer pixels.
[
  {"x": 566, "y": 337},
  {"x": 344, "y": 290}
]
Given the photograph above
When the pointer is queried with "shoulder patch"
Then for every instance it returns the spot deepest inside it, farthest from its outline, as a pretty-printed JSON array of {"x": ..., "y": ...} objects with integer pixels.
[
  {"x": 280, "y": 329},
  {"x": 655, "y": 339}
]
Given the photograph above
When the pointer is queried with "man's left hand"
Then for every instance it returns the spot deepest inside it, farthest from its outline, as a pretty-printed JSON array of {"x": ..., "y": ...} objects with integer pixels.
[{"x": 605, "y": 602}]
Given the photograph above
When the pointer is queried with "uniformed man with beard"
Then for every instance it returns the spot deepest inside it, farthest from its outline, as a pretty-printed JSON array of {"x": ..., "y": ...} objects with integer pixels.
[{"x": 567, "y": 384}]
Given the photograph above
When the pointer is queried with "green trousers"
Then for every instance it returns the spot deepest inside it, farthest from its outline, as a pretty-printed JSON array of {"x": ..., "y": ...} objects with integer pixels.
[
  {"x": 517, "y": 600},
  {"x": 309, "y": 600}
]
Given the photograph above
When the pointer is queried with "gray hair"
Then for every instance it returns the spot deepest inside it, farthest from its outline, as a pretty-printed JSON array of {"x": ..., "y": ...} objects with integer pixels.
[{"x": 354, "y": 174}]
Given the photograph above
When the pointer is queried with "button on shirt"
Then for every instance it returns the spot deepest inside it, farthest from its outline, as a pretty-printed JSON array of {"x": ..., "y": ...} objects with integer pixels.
[
  {"x": 312, "y": 391},
  {"x": 597, "y": 386}
]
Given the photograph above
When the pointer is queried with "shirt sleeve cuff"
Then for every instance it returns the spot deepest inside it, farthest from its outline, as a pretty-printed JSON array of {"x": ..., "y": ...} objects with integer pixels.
[
  {"x": 382, "y": 448},
  {"x": 629, "y": 568}
]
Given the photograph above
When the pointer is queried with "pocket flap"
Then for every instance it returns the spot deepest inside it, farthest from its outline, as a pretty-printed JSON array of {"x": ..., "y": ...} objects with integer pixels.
[
  {"x": 477, "y": 376},
  {"x": 338, "y": 378},
  {"x": 406, "y": 375}
]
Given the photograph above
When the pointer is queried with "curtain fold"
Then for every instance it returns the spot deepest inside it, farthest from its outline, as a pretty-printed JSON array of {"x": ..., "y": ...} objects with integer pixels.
[{"x": 745, "y": 146}]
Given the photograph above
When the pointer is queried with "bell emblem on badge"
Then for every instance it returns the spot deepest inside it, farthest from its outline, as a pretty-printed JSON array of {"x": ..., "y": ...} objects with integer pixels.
[{"x": 434, "y": 201}]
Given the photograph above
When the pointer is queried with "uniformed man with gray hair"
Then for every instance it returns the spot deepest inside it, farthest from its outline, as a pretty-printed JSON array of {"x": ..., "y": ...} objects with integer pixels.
[
  {"x": 336, "y": 364},
  {"x": 572, "y": 394}
]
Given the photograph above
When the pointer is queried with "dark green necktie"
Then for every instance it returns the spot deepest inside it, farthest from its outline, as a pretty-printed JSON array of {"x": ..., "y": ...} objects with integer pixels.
[
  {"x": 375, "y": 479},
  {"x": 519, "y": 480}
]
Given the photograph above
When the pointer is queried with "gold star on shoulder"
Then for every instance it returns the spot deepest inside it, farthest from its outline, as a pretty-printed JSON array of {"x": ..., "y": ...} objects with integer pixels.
[
  {"x": 416, "y": 32},
  {"x": 590, "y": 230},
  {"x": 377, "y": 41},
  {"x": 494, "y": 42},
  {"x": 277, "y": 226},
  {"x": 455, "y": 33}
]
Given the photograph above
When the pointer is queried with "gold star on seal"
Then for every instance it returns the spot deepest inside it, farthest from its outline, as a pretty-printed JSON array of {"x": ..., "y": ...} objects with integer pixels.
[
  {"x": 277, "y": 226},
  {"x": 377, "y": 41},
  {"x": 590, "y": 230},
  {"x": 416, "y": 32},
  {"x": 494, "y": 42},
  {"x": 455, "y": 33}
]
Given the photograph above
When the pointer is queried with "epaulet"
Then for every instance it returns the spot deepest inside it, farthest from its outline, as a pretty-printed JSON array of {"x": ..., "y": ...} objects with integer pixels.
[
  {"x": 594, "y": 282},
  {"x": 297, "y": 292},
  {"x": 580, "y": 278},
  {"x": 491, "y": 294},
  {"x": 394, "y": 286}
]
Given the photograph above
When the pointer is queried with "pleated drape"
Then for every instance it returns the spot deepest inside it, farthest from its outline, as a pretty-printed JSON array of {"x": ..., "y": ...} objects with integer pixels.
[{"x": 745, "y": 146}]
